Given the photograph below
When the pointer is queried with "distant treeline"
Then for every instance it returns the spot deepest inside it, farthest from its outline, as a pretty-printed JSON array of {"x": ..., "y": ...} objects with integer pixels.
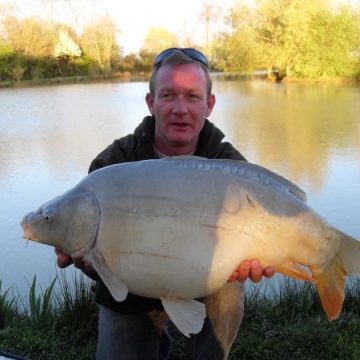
[{"x": 290, "y": 39}]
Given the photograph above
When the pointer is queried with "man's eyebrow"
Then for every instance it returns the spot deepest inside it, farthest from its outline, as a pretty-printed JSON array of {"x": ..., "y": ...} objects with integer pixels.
[{"x": 169, "y": 88}]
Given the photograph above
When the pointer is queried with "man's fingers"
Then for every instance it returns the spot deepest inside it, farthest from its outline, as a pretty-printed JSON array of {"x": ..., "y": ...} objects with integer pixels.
[
  {"x": 234, "y": 276},
  {"x": 269, "y": 272},
  {"x": 244, "y": 271},
  {"x": 256, "y": 271},
  {"x": 78, "y": 263},
  {"x": 251, "y": 270},
  {"x": 63, "y": 260}
]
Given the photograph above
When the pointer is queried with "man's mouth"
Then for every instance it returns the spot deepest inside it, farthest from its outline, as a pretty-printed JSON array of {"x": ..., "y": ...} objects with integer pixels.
[{"x": 180, "y": 125}]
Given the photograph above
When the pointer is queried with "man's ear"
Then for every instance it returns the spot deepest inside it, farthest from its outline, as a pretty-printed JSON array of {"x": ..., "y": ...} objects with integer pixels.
[
  {"x": 150, "y": 103},
  {"x": 210, "y": 104}
]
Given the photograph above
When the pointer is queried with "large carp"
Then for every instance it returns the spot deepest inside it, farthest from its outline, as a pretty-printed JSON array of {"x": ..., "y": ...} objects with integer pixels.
[{"x": 176, "y": 228}]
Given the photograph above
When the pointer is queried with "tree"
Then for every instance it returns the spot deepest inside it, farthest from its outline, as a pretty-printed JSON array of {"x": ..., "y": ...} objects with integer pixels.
[
  {"x": 66, "y": 47},
  {"x": 7, "y": 55},
  {"x": 299, "y": 38},
  {"x": 18, "y": 71},
  {"x": 99, "y": 43},
  {"x": 235, "y": 49},
  {"x": 234, "y": 53},
  {"x": 30, "y": 37},
  {"x": 157, "y": 39},
  {"x": 331, "y": 45},
  {"x": 66, "y": 51},
  {"x": 210, "y": 15}
]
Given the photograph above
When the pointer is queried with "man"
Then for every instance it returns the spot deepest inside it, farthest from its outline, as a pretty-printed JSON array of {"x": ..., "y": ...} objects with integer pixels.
[{"x": 180, "y": 100}]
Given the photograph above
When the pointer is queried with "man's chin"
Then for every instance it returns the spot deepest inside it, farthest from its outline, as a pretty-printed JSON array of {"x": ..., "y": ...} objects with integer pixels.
[{"x": 181, "y": 141}]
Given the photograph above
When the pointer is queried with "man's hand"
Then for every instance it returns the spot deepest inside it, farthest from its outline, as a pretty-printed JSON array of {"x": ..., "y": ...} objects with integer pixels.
[
  {"x": 64, "y": 260},
  {"x": 253, "y": 270}
]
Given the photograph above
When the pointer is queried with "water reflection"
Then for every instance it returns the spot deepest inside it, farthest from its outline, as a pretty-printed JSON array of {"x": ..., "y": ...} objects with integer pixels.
[
  {"x": 295, "y": 128},
  {"x": 48, "y": 136}
]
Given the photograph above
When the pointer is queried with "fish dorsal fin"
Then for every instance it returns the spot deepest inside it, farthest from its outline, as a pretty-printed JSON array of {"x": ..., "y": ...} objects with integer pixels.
[
  {"x": 272, "y": 179},
  {"x": 117, "y": 288},
  {"x": 248, "y": 170},
  {"x": 292, "y": 188},
  {"x": 187, "y": 315}
]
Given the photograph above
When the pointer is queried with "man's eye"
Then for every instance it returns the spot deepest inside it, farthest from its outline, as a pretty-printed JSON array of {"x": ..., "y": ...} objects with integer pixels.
[{"x": 193, "y": 96}]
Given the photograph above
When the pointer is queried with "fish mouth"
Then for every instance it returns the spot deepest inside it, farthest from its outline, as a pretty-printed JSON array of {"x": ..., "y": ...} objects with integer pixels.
[
  {"x": 28, "y": 233},
  {"x": 30, "y": 236}
]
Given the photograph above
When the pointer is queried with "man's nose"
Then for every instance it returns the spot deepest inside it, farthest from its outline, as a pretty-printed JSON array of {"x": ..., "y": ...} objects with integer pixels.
[{"x": 180, "y": 106}]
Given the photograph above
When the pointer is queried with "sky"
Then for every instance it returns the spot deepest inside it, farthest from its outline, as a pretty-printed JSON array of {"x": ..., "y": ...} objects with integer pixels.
[{"x": 135, "y": 17}]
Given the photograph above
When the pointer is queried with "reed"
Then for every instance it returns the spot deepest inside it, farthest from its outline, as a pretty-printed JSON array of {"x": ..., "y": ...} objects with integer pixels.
[
  {"x": 40, "y": 306},
  {"x": 7, "y": 307}
]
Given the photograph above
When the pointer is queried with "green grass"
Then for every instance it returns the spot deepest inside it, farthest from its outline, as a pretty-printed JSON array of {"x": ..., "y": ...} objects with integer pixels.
[
  {"x": 61, "y": 323},
  {"x": 55, "y": 324},
  {"x": 292, "y": 325}
]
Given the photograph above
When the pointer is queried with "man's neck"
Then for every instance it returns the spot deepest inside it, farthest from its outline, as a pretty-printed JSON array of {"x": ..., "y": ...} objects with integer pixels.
[
  {"x": 160, "y": 154},
  {"x": 168, "y": 149}
]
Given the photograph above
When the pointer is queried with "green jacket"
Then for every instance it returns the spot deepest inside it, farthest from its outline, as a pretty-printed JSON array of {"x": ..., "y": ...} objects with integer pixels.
[{"x": 139, "y": 146}]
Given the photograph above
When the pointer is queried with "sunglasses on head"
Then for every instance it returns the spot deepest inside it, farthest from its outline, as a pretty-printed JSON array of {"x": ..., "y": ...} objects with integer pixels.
[{"x": 190, "y": 52}]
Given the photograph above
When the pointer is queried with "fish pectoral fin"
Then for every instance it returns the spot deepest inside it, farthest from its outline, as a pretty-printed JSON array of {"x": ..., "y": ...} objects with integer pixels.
[
  {"x": 187, "y": 315},
  {"x": 117, "y": 288},
  {"x": 294, "y": 270}
]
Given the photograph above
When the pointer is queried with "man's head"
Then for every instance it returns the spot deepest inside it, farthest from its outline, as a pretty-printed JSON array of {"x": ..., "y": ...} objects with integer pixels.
[{"x": 180, "y": 98}]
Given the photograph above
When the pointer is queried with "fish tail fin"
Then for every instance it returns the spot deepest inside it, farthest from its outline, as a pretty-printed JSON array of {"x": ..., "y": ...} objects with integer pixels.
[
  {"x": 331, "y": 282},
  {"x": 349, "y": 253}
]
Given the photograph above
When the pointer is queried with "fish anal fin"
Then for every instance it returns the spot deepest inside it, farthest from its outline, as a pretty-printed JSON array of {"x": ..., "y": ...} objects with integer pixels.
[
  {"x": 331, "y": 288},
  {"x": 294, "y": 270},
  {"x": 187, "y": 315},
  {"x": 117, "y": 288}
]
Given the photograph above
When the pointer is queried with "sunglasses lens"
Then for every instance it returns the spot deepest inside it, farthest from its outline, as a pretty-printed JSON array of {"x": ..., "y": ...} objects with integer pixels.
[
  {"x": 196, "y": 55},
  {"x": 163, "y": 55},
  {"x": 191, "y": 53}
]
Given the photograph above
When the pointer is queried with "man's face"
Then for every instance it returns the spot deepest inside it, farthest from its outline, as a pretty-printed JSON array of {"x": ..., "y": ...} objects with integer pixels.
[{"x": 180, "y": 105}]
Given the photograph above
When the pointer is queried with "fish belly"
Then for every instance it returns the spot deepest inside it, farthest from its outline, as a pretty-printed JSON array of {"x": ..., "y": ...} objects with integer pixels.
[{"x": 183, "y": 258}]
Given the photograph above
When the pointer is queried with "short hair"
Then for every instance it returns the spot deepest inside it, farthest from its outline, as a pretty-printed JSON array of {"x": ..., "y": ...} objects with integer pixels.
[{"x": 178, "y": 58}]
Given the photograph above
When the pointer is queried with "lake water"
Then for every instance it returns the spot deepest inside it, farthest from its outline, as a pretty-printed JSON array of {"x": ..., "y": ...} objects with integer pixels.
[{"x": 48, "y": 136}]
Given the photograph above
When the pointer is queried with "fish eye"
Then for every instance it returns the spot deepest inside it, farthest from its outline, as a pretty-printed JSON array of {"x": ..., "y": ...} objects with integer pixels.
[{"x": 48, "y": 216}]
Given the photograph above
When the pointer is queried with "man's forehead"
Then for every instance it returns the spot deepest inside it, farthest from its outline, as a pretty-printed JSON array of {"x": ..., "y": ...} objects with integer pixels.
[{"x": 184, "y": 75}]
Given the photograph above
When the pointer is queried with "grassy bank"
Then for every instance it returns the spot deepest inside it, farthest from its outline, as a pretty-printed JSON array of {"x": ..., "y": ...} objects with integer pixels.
[
  {"x": 80, "y": 79},
  {"x": 290, "y": 324}
]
